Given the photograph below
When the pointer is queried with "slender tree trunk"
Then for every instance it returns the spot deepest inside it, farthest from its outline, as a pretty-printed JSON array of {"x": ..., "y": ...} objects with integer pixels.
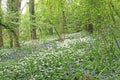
[
  {"x": 11, "y": 38},
  {"x": 63, "y": 18},
  {"x": 32, "y": 19},
  {"x": 1, "y": 37},
  {"x": 13, "y": 10},
  {"x": 89, "y": 26},
  {"x": 16, "y": 38},
  {"x": 64, "y": 21}
]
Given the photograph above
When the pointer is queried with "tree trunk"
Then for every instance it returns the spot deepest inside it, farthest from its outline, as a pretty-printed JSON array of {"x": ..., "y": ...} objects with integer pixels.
[
  {"x": 63, "y": 20},
  {"x": 11, "y": 38},
  {"x": 1, "y": 37},
  {"x": 16, "y": 38},
  {"x": 89, "y": 26},
  {"x": 32, "y": 19},
  {"x": 13, "y": 10},
  {"x": 51, "y": 30}
]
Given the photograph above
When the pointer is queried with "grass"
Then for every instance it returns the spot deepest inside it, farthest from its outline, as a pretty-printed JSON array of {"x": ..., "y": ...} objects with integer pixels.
[
  {"x": 74, "y": 59},
  {"x": 7, "y": 63}
]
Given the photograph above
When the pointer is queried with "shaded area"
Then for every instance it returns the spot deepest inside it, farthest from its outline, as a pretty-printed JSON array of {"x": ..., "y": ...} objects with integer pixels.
[{"x": 8, "y": 54}]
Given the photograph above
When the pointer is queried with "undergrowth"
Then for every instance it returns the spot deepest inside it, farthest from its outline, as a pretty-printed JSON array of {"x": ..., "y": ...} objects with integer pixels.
[{"x": 80, "y": 60}]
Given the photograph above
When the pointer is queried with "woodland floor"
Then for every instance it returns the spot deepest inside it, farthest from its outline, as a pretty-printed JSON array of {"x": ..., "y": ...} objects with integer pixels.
[
  {"x": 78, "y": 57},
  {"x": 29, "y": 47}
]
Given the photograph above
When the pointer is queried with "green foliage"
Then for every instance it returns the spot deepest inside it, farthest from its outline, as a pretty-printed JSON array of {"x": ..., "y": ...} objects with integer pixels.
[
  {"x": 71, "y": 59},
  {"x": 96, "y": 55},
  {"x": 50, "y": 14}
]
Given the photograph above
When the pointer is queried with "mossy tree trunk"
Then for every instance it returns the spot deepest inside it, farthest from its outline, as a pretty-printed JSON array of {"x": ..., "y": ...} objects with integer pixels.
[
  {"x": 89, "y": 26},
  {"x": 13, "y": 9},
  {"x": 1, "y": 37},
  {"x": 32, "y": 19}
]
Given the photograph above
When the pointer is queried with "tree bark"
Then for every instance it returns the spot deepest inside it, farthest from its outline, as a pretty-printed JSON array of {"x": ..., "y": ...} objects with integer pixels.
[
  {"x": 13, "y": 10},
  {"x": 89, "y": 26},
  {"x": 32, "y": 19},
  {"x": 1, "y": 37}
]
